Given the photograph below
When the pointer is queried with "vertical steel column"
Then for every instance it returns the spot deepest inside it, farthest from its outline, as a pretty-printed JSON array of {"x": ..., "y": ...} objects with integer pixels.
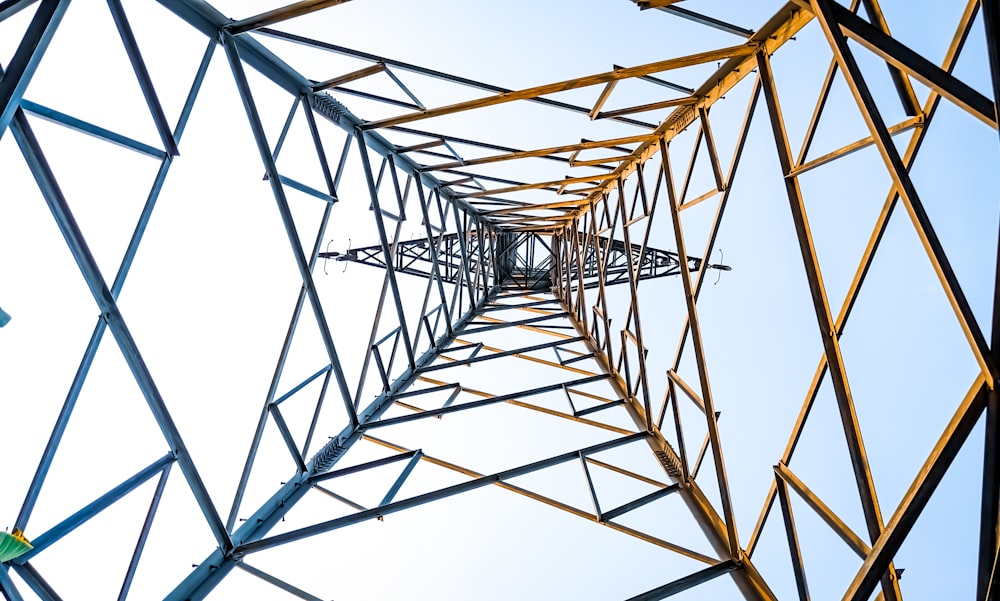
[{"x": 988, "y": 582}]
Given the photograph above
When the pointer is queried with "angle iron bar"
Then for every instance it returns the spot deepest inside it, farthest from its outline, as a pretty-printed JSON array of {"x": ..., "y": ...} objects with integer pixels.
[
  {"x": 147, "y": 524},
  {"x": 590, "y": 486},
  {"x": 286, "y": 435},
  {"x": 407, "y": 470},
  {"x": 508, "y": 324},
  {"x": 686, "y": 389},
  {"x": 792, "y": 536},
  {"x": 301, "y": 385},
  {"x": 842, "y": 530},
  {"x": 9, "y": 8},
  {"x": 288, "y": 588},
  {"x": 306, "y": 189},
  {"x": 687, "y": 582},
  {"x": 38, "y": 585},
  {"x": 706, "y": 20},
  {"x": 988, "y": 578},
  {"x": 90, "y": 129},
  {"x": 340, "y": 498},
  {"x": 843, "y": 151},
  {"x": 7, "y": 588},
  {"x": 700, "y": 459},
  {"x": 349, "y": 77},
  {"x": 361, "y": 467},
  {"x": 142, "y": 76},
  {"x": 640, "y": 502},
  {"x": 276, "y": 151},
  {"x": 904, "y": 89},
  {"x": 625, "y": 472},
  {"x": 713, "y": 154},
  {"x": 29, "y": 53}
]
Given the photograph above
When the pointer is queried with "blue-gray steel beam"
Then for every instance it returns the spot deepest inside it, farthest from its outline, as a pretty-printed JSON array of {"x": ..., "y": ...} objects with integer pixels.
[
  {"x": 7, "y": 588},
  {"x": 29, "y": 53},
  {"x": 286, "y": 434},
  {"x": 288, "y": 588},
  {"x": 361, "y": 467},
  {"x": 301, "y": 385},
  {"x": 90, "y": 129},
  {"x": 74, "y": 238},
  {"x": 142, "y": 75},
  {"x": 401, "y": 479},
  {"x": 144, "y": 533},
  {"x": 9, "y": 8},
  {"x": 37, "y": 584},
  {"x": 78, "y": 379}
]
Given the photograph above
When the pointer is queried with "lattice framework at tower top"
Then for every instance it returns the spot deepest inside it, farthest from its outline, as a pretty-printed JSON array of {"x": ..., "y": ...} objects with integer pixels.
[{"x": 604, "y": 299}]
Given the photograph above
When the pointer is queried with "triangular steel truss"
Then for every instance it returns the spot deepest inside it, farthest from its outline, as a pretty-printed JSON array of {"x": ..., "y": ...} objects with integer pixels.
[{"x": 537, "y": 270}]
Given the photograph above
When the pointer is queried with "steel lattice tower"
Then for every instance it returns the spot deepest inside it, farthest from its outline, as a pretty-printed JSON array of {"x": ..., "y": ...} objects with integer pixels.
[{"x": 503, "y": 374}]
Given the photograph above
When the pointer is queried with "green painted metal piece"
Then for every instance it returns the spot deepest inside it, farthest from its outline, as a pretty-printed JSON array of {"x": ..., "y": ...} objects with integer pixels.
[{"x": 13, "y": 546}]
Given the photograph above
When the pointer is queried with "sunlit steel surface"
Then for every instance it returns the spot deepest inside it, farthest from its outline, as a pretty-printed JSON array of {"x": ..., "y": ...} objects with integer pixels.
[{"x": 492, "y": 255}]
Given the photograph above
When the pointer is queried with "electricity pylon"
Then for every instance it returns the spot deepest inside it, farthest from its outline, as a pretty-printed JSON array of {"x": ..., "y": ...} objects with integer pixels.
[{"x": 523, "y": 295}]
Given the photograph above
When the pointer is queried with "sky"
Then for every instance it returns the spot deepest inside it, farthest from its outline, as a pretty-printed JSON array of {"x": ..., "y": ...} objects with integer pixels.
[{"x": 213, "y": 287}]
